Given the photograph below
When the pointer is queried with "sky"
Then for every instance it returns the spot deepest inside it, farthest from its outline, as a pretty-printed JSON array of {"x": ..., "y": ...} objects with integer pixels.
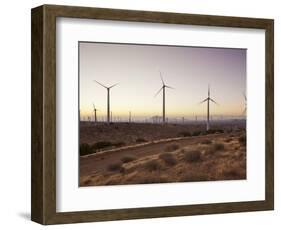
[{"x": 136, "y": 69}]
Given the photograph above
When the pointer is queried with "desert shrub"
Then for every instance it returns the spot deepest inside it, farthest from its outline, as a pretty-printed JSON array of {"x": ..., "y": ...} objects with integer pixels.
[
  {"x": 219, "y": 131},
  {"x": 218, "y": 146},
  {"x": 212, "y": 131},
  {"x": 184, "y": 134},
  {"x": 242, "y": 140},
  {"x": 192, "y": 156},
  {"x": 101, "y": 145},
  {"x": 85, "y": 149},
  {"x": 119, "y": 144},
  {"x": 172, "y": 147},
  {"x": 115, "y": 167},
  {"x": 127, "y": 159},
  {"x": 168, "y": 158},
  {"x": 229, "y": 130},
  {"x": 206, "y": 142},
  {"x": 152, "y": 165},
  {"x": 196, "y": 133},
  {"x": 141, "y": 140}
]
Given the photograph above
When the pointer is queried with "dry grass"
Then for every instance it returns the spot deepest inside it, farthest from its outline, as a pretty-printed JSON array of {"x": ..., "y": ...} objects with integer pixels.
[
  {"x": 216, "y": 150},
  {"x": 172, "y": 147},
  {"x": 192, "y": 176},
  {"x": 87, "y": 182},
  {"x": 234, "y": 170},
  {"x": 210, "y": 151},
  {"x": 227, "y": 140},
  {"x": 168, "y": 158},
  {"x": 231, "y": 172},
  {"x": 152, "y": 179},
  {"x": 152, "y": 165},
  {"x": 218, "y": 146}
]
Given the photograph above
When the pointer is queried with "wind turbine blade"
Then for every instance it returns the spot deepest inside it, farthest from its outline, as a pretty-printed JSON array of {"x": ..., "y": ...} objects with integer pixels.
[
  {"x": 213, "y": 101},
  {"x": 162, "y": 78},
  {"x": 169, "y": 87},
  {"x": 113, "y": 85},
  {"x": 100, "y": 84},
  {"x": 158, "y": 91},
  {"x": 203, "y": 101}
]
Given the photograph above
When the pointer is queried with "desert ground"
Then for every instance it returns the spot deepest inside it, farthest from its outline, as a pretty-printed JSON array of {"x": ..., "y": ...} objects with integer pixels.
[{"x": 137, "y": 153}]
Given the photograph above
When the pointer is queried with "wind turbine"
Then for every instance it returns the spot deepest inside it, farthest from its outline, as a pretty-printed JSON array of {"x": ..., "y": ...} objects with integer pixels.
[
  {"x": 95, "y": 112},
  {"x": 208, "y": 99},
  {"x": 130, "y": 117},
  {"x": 245, "y": 109},
  {"x": 163, "y": 88},
  {"x": 108, "y": 98}
]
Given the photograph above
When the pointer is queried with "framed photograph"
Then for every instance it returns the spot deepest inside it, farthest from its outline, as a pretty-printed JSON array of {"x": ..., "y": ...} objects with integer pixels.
[{"x": 140, "y": 114}]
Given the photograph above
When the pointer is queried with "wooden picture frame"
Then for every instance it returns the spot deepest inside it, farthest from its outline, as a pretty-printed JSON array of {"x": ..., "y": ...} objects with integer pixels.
[{"x": 43, "y": 208}]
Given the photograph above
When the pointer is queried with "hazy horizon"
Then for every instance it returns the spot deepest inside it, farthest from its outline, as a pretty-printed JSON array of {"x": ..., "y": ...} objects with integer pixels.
[{"x": 136, "y": 70}]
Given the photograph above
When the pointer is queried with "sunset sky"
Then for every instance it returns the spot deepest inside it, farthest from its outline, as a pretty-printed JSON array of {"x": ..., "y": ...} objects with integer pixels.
[{"x": 136, "y": 70}]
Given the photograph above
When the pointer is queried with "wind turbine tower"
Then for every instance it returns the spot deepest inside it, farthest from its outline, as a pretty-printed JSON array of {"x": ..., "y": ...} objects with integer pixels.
[
  {"x": 245, "y": 109},
  {"x": 163, "y": 88},
  {"x": 130, "y": 117},
  {"x": 95, "y": 113},
  {"x": 108, "y": 98},
  {"x": 208, "y": 99}
]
